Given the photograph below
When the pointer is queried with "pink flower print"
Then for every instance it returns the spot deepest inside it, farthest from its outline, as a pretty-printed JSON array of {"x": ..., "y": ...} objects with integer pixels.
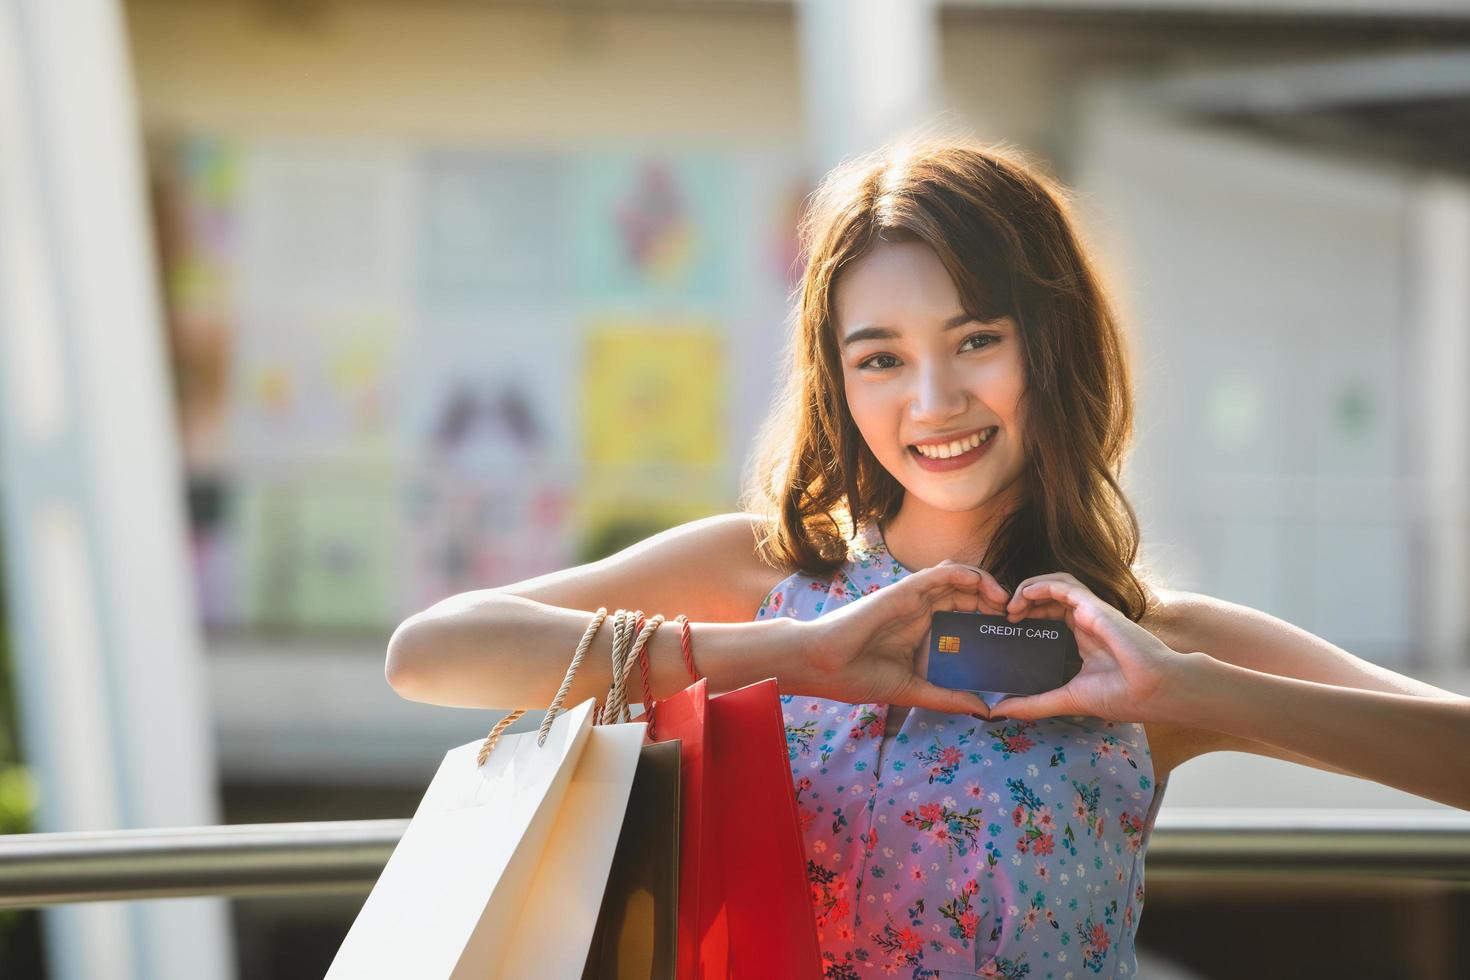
[
  {"x": 1099, "y": 937},
  {"x": 803, "y": 784},
  {"x": 872, "y": 588},
  {"x": 931, "y": 812},
  {"x": 1028, "y": 921},
  {"x": 1079, "y": 809},
  {"x": 916, "y": 873},
  {"x": 1023, "y": 845},
  {"x": 910, "y": 941},
  {"x": 869, "y": 724},
  {"x": 1044, "y": 818},
  {"x": 1043, "y": 873},
  {"x": 844, "y": 931},
  {"x": 968, "y": 921},
  {"x": 776, "y": 601},
  {"x": 971, "y": 887},
  {"x": 1018, "y": 817},
  {"x": 1018, "y": 743},
  {"x": 1132, "y": 827},
  {"x": 813, "y": 708},
  {"x": 972, "y": 790},
  {"x": 951, "y": 756},
  {"x": 1043, "y": 844},
  {"x": 940, "y": 833}
]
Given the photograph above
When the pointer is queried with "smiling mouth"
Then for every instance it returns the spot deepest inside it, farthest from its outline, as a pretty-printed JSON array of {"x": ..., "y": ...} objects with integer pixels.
[{"x": 957, "y": 448}]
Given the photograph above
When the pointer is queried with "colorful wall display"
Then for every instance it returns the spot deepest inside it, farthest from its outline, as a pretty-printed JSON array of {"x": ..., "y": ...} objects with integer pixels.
[{"x": 439, "y": 369}]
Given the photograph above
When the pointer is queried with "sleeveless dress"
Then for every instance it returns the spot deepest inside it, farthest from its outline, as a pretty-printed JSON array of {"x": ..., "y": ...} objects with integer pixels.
[{"x": 960, "y": 847}]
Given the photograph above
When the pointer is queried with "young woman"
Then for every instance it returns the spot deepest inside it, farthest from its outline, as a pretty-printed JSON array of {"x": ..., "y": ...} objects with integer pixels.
[{"x": 950, "y": 437}]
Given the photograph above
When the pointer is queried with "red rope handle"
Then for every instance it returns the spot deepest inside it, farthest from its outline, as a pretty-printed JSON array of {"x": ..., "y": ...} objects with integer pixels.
[
  {"x": 687, "y": 644},
  {"x": 647, "y": 689}
]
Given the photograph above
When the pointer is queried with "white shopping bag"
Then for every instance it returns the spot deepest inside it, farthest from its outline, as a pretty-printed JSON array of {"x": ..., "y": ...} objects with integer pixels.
[
  {"x": 450, "y": 900},
  {"x": 554, "y": 932}
]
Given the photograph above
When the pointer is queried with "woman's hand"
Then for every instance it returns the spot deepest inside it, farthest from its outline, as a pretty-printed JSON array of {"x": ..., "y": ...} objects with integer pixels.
[
  {"x": 876, "y": 649},
  {"x": 1127, "y": 673}
]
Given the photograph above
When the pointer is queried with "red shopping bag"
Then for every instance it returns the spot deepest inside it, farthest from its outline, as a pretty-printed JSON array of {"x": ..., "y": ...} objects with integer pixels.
[{"x": 744, "y": 906}]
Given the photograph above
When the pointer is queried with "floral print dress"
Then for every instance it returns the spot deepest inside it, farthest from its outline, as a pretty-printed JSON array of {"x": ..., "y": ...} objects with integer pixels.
[{"x": 963, "y": 848}]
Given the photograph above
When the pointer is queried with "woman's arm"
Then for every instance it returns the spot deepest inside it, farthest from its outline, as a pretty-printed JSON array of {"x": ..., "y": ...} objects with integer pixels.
[
  {"x": 509, "y": 647},
  {"x": 1417, "y": 743},
  {"x": 494, "y": 650},
  {"x": 1416, "y": 738},
  {"x": 1251, "y": 638},
  {"x": 1247, "y": 637}
]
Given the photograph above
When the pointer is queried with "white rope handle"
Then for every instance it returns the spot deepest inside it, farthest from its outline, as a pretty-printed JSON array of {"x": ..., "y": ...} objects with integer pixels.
[
  {"x": 556, "y": 702},
  {"x": 626, "y": 649}
]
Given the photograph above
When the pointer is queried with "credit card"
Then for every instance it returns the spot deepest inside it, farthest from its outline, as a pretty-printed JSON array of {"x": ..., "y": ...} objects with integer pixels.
[{"x": 996, "y": 658}]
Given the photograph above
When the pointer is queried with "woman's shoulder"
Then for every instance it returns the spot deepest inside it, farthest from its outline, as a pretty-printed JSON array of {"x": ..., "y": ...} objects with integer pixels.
[
  {"x": 735, "y": 539},
  {"x": 1189, "y": 621}
]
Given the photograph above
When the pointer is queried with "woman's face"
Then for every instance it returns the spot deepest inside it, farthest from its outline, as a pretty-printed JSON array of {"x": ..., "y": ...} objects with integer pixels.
[{"x": 917, "y": 372}]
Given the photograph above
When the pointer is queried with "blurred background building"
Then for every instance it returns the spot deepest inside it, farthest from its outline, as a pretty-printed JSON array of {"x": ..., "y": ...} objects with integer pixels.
[{"x": 355, "y": 305}]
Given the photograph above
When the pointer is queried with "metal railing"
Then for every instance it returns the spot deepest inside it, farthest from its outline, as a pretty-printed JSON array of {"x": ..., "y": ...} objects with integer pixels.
[{"x": 347, "y": 856}]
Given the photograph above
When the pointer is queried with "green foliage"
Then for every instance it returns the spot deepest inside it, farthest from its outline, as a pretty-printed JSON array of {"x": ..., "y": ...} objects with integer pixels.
[{"x": 17, "y": 789}]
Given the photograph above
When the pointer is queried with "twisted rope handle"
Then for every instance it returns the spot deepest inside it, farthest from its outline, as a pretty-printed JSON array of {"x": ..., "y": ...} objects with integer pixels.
[
  {"x": 686, "y": 644},
  {"x": 627, "y": 650},
  {"x": 614, "y": 706},
  {"x": 556, "y": 702}
]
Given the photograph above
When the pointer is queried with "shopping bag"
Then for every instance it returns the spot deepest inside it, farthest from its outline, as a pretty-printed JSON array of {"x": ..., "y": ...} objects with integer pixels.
[
  {"x": 773, "y": 931},
  {"x": 745, "y": 910},
  {"x": 638, "y": 924},
  {"x": 465, "y": 878},
  {"x": 557, "y": 923},
  {"x": 703, "y": 938}
]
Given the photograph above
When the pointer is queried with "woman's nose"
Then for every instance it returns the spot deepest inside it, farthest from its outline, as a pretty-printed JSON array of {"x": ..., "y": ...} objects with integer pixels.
[{"x": 939, "y": 395}]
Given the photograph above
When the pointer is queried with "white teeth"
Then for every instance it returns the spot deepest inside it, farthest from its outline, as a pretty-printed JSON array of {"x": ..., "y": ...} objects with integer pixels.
[{"x": 956, "y": 448}]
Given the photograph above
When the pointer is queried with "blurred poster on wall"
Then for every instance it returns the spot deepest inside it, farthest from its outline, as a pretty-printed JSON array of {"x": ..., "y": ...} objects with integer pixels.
[
  {"x": 320, "y": 554},
  {"x": 491, "y": 230},
  {"x": 470, "y": 532},
  {"x": 326, "y": 226},
  {"x": 410, "y": 371},
  {"x": 653, "y": 393},
  {"x": 653, "y": 429},
  {"x": 315, "y": 386},
  {"x": 651, "y": 230},
  {"x": 196, "y": 190},
  {"x": 489, "y": 428}
]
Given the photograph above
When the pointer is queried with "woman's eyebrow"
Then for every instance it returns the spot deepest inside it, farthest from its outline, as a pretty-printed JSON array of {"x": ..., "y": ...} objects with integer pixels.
[{"x": 888, "y": 333}]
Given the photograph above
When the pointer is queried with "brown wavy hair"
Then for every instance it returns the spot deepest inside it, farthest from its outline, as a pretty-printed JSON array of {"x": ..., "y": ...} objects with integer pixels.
[{"x": 1004, "y": 231}]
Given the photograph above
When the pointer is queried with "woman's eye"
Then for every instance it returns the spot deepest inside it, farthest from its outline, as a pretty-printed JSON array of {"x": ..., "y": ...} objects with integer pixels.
[
  {"x": 873, "y": 361},
  {"x": 992, "y": 338}
]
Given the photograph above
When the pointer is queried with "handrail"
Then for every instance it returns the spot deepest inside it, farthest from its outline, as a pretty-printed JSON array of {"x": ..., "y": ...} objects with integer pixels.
[{"x": 347, "y": 856}]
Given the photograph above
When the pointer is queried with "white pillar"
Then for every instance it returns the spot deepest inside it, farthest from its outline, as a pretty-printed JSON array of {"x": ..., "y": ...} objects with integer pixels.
[
  {"x": 105, "y": 636},
  {"x": 870, "y": 71},
  {"x": 1440, "y": 255}
]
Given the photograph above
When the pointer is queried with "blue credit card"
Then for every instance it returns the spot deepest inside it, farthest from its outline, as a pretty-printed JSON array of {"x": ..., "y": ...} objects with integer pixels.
[{"x": 997, "y": 658}]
